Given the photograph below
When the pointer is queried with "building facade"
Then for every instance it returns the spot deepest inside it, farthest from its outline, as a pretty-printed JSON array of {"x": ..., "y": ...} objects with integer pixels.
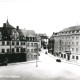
[
  {"x": 12, "y": 43},
  {"x": 32, "y": 44},
  {"x": 44, "y": 40},
  {"x": 67, "y": 43},
  {"x": 19, "y": 45}
]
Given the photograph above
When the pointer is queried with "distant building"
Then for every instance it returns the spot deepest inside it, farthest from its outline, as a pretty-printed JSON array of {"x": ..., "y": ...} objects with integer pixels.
[
  {"x": 67, "y": 43},
  {"x": 51, "y": 45},
  {"x": 44, "y": 40}
]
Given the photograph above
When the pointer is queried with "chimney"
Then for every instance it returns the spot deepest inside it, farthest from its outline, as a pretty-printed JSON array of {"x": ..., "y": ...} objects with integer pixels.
[
  {"x": 4, "y": 24},
  {"x": 17, "y": 27}
]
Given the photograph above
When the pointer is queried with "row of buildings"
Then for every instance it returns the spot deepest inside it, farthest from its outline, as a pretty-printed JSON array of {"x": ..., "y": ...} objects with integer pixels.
[
  {"x": 19, "y": 44},
  {"x": 66, "y": 44}
]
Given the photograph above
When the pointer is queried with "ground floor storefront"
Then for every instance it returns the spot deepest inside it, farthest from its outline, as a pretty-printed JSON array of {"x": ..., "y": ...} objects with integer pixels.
[{"x": 67, "y": 56}]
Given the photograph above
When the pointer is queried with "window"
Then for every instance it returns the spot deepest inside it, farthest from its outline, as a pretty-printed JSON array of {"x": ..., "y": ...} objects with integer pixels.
[
  {"x": 3, "y": 50},
  {"x": 77, "y": 57},
  {"x": 13, "y": 43},
  {"x": 24, "y": 50},
  {"x": 12, "y": 49},
  {"x": 28, "y": 50},
  {"x": 73, "y": 57},
  {"x": 3, "y": 42},
  {"x": 28, "y": 44},
  {"x": 62, "y": 42},
  {"x": 31, "y": 56},
  {"x": 32, "y": 44},
  {"x": 61, "y": 55},
  {"x": 35, "y": 39},
  {"x": 73, "y": 31},
  {"x": 7, "y": 50},
  {"x": 66, "y": 37},
  {"x": 35, "y": 56},
  {"x": 65, "y": 42},
  {"x": 21, "y": 49},
  {"x": 77, "y": 31},
  {"x": 72, "y": 37},
  {"x": 31, "y": 50},
  {"x": 69, "y": 37},
  {"x": 76, "y": 43},
  {"x": 23, "y": 43},
  {"x": 17, "y": 43},
  {"x": 35, "y": 44},
  {"x": 72, "y": 43},
  {"x": 30, "y": 38},
  {"x": 72, "y": 49},
  {"x": 35, "y": 50},
  {"x": 76, "y": 49},
  {"x": 17, "y": 49},
  {"x": 77, "y": 37},
  {"x": 7, "y": 42},
  {"x": 64, "y": 55},
  {"x": 62, "y": 48}
]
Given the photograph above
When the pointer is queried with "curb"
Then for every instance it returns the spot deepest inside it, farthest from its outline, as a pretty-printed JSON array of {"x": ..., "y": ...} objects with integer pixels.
[{"x": 69, "y": 62}]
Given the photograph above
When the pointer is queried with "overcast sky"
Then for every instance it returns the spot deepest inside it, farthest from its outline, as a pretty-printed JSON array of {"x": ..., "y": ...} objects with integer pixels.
[{"x": 43, "y": 16}]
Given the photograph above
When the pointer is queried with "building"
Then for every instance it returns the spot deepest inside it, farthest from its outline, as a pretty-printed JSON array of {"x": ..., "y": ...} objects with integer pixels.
[
  {"x": 51, "y": 45},
  {"x": 44, "y": 40},
  {"x": 18, "y": 44},
  {"x": 12, "y": 42},
  {"x": 32, "y": 44},
  {"x": 67, "y": 43}
]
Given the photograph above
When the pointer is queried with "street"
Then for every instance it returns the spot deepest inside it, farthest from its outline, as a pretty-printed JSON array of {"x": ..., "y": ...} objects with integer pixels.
[{"x": 47, "y": 69}]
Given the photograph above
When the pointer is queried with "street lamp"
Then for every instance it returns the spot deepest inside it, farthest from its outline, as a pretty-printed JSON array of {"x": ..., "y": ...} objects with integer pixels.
[
  {"x": 36, "y": 61},
  {"x": 36, "y": 56}
]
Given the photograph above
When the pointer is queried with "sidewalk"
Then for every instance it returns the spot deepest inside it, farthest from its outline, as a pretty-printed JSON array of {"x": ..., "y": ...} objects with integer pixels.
[{"x": 63, "y": 60}]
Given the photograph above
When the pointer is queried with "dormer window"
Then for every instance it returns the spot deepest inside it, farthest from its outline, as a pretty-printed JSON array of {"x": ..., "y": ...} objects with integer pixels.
[
  {"x": 77, "y": 31},
  {"x": 73, "y": 31},
  {"x": 65, "y": 32}
]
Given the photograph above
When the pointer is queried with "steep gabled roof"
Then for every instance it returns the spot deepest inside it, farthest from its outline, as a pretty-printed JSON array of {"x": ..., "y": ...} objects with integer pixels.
[{"x": 27, "y": 33}]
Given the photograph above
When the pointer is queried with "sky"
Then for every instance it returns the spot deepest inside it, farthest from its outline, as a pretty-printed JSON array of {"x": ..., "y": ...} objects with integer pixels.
[{"x": 42, "y": 16}]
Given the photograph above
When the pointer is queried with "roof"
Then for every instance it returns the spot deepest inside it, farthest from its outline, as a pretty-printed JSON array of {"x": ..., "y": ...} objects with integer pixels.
[
  {"x": 71, "y": 28},
  {"x": 28, "y": 33},
  {"x": 8, "y": 25},
  {"x": 43, "y": 36},
  {"x": 20, "y": 33}
]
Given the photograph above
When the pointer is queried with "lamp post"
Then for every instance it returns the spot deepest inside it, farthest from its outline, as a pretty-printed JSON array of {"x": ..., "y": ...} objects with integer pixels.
[
  {"x": 36, "y": 61},
  {"x": 36, "y": 57}
]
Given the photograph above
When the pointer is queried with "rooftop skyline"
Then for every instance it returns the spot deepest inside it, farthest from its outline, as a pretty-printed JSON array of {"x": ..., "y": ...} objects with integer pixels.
[{"x": 42, "y": 16}]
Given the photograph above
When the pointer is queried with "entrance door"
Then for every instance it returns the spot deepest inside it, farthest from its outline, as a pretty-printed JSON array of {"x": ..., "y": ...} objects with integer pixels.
[{"x": 68, "y": 57}]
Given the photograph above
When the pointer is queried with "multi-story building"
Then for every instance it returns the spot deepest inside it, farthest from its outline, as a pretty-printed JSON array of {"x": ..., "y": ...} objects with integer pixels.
[
  {"x": 51, "y": 45},
  {"x": 20, "y": 45},
  {"x": 44, "y": 40},
  {"x": 67, "y": 43},
  {"x": 32, "y": 44},
  {"x": 12, "y": 42}
]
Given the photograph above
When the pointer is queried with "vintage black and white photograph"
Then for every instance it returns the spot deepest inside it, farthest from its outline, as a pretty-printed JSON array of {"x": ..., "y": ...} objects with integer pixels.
[{"x": 39, "y": 39}]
